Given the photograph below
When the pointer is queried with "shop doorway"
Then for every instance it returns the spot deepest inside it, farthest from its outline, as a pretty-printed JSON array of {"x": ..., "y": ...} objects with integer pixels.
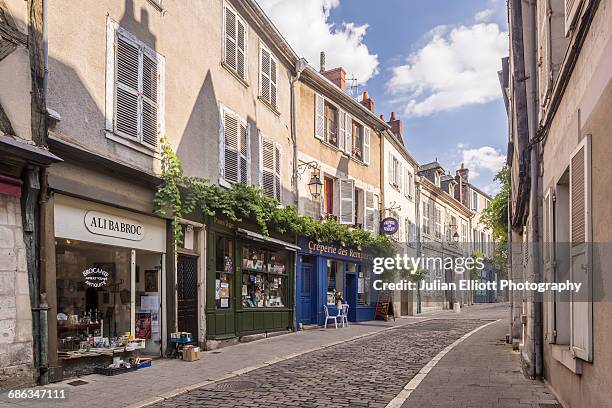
[
  {"x": 187, "y": 294},
  {"x": 148, "y": 300},
  {"x": 351, "y": 292},
  {"x": 306, "y": 291}
]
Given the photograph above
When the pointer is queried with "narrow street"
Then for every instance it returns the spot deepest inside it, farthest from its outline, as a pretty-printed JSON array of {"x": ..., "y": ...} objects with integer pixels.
[{"x": 365, "y": 365}]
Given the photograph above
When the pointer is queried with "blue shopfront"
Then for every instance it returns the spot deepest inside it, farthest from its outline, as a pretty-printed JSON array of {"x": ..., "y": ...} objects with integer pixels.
[{"x": 327, "y": 271}]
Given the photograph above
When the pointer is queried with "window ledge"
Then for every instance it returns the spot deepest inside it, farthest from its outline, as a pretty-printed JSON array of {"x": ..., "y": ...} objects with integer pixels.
[
  {"x": 224, "y": 183},
  {"x": 234, "y": 74},
  {"x": 269, "y": 106},
  {"x": 563, "y": 354},
  {"x": 132, "y": 145}
]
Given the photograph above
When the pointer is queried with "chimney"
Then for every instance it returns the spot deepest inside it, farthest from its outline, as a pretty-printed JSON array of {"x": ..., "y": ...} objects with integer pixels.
[
  {"x": 322, "y": 62},
  {"x": 337, "y": 76},
  {"x": 367, "y": 101},
  {"x": 463, "y": 173},
  {"x": 397, "y": 127}
]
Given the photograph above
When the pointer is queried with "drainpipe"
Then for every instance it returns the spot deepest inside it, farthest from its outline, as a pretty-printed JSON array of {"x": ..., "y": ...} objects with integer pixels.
[
  {"x": 300, "y": 65},
  {"x": 417, "y": 204},
  {"x": 532, "y": 106}
]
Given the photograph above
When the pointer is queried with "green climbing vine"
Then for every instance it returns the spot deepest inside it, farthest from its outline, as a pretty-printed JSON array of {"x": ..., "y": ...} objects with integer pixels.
[{"x": 178, "y": 195}]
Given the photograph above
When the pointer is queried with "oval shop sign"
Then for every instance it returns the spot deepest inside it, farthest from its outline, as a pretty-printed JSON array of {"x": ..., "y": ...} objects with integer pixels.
[
  {"x": 113, "y": 226},
  {"x": 389, "y": 226}
]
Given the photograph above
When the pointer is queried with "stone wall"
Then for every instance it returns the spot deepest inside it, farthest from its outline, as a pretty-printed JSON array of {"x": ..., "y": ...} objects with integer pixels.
[{"x": 16, "y": 354}]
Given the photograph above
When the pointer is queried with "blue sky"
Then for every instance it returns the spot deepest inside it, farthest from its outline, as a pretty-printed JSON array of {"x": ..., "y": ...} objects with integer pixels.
[{"x": 434, "y": 62}]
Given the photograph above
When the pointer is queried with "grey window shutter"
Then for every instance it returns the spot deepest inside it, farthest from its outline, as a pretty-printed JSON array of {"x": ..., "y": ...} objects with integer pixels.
[
  {"x": 265, "y": 81},
  {"x": 580, "y": 250},
  {"x": 273, "y": 82},
  {"x": 127, "y": 87},
  {"x": 341, "y": 129},
  {"x": 369, "y": 211},
  {"x": 319, "y": 117},
  {"x": 230, "y": 38},
  {"x": 571, "y": 11},
  {"x": 337, "y": 199},
  {"x": 268, "y": 169},
  {"x": 245, "y": 156},
  {"x": 366, "y": 145},
  {"x": 150, "y": 78},
  {"x": 231, "y": 132},
  {"x": 241, "y": 66},
  {"x": 347, "y": 201},
  {"x": 549, "y": 263},
  {"x": 376, "y": 215},
  {"x": 348, "y": 144},
  {"x": 277, "y": 173}
]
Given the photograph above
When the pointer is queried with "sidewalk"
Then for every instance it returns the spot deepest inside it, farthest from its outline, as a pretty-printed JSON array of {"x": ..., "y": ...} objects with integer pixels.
[
  {"x": 481, "y": 372},
  {"x": 172, "y": 377}
]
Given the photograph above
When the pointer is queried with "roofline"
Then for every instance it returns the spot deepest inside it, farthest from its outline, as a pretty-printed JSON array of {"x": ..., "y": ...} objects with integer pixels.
[
  {"x": 312, "y": 77},
  {"x": 480, "y": 191},
  {"x": 403, "y": 149},
  {"x": 452, "y": 200}
]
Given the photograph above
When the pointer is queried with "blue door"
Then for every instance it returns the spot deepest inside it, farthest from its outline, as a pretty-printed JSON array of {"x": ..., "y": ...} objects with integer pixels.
[
  {"x": 306, "y": 292},
  {"x": 351, "y": 295}
]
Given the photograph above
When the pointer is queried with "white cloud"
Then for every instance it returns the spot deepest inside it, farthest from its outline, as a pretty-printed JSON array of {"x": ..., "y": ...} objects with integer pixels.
[
  {"x": 306, "y": 25},
  {"x": 483, "y": 159},
  {"x": 456, "y": 67},
  {"x": 483, "y": 15}
]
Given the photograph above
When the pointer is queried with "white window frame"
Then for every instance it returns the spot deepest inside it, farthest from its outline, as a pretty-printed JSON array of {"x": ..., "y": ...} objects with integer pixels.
[
  {"x": 222, "y": 180},
  {"x": 239, "y": 19},
  {"x": 268, "y": 75},
  {"x": 113, "y": 29},
  {"x": 277, "y": 154}
]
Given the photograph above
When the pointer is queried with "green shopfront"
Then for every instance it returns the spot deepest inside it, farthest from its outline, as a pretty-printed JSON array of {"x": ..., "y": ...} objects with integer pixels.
[{"x": 249, "y": 282}]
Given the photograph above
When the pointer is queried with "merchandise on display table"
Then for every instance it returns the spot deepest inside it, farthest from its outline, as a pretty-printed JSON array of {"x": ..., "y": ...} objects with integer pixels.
[{"x": 91, "y": 346}]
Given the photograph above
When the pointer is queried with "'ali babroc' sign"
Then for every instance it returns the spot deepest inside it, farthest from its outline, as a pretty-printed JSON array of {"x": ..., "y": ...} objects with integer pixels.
[{"x": 113, "y": 226}]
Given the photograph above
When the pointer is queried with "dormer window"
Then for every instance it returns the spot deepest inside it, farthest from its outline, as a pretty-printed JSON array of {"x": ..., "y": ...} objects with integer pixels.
[
  {"x": 437, "y": 179},
  {"x": 451, "y": 189}
]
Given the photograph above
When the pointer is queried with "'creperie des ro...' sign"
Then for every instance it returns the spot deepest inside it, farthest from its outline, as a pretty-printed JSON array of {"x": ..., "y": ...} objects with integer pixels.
[{"x": 113, "y": 226}]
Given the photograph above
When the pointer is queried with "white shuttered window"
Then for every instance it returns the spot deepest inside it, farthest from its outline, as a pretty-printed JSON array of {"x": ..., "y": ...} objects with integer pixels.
[
  {"x": 235, "y": 42},
  {"x": 135, "y": 73},
  {"x": 580, "y": 251},
  {"x": 234, "y": 147},
  {"x": 268, "y": 77},
  {"x": 270, "y": 160},
  {"x": 347, "y": 201}
]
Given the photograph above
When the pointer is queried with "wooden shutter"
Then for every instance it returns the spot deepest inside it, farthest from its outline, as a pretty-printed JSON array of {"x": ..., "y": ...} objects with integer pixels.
[
  {"x": 369, "y": 211},
  {"x": 347, "y": 201},
  {"x": 341, "y": 129},
  {"x": 319, "y": 117},
  {"x": 549, "y": 262},
  {"x": 268, "y": 173},
  {"x": 390, "y": 168},
  {"x": 376, "y": 215},
  {"x": 400, "y": 173},
  {"x": 245, "y": 156},
  {"x": 277, "y": 173},
  {"x": 241, "y": 49},
  {"x": 406, "y": 182},
  {"x": 127, "y": 86},
  {"x": 264, "y": 78},
  {"x": 231, "y": 143},
  {"x": 580, "y": 251},
  {"x": 230, "y": 45},
  {"x": 150, "y": 78},
  {"x": 366, "y": 145},
  {"x": 544, "y": 50},
  {"x": 273, "y": 82},
  {"x": 348, "y": 135}
]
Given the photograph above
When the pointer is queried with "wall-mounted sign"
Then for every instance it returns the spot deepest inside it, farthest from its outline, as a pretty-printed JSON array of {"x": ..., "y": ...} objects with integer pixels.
[
  {"x": 389, "y": 226},
  {"x": 95, "y": 277},
  {"x": 333, "y": 249},
  {"x": 113, "y": 226}
]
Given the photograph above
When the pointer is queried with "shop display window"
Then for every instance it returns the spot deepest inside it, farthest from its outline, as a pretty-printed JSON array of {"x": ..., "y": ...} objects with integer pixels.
[
  {"x": 224, "y": 263},
  {"x": 334, "y": 281},
  {"x": 363, "y": 285},
  {"x": 264, "y": 277},
  {"x": 93, "y": 295}
]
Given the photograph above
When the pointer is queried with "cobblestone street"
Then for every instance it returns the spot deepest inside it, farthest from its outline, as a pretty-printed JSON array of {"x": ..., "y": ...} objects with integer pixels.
[{"x": 367, "y": 372}]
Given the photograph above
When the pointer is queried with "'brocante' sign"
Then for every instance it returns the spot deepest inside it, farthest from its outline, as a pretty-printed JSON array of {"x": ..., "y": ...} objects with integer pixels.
[{"x": 113, "y": 226}]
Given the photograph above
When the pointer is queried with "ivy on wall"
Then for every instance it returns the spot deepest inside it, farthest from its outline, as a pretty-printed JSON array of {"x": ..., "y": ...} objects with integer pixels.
[{"x": 178, "y": 195}]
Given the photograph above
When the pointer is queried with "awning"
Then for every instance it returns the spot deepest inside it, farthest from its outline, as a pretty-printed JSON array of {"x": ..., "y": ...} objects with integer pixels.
[{"x": 258, "y": 237}]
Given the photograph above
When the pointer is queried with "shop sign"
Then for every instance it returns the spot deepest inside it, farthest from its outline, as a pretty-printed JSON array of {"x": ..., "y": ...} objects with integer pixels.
[
  {"x": 95, "y": 277},
  {"x": 389, "y": 226},
  {"x": 113, "y": 226},
  {"x": 323, "y": 249}
]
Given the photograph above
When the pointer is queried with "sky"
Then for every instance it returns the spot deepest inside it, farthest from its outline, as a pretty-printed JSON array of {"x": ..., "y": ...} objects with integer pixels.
[{"x": 433, "y": 62}]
